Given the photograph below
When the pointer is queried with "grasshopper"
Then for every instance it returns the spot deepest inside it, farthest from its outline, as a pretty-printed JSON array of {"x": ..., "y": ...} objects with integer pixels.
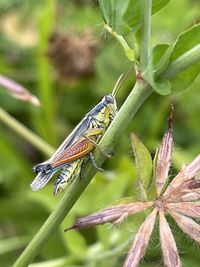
[{"x": 70, "y": 157}]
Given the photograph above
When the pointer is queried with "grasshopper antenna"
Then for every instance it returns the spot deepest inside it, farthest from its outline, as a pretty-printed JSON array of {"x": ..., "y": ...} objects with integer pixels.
[
  {"x": 120, "y": 81},
  {"x": 118, "y": 85}
]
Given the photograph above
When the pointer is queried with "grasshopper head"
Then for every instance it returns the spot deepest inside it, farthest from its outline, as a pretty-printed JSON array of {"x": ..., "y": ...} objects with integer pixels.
[
  {"x": 110, "y": 101},
  {"x": 44, "y": 168}
]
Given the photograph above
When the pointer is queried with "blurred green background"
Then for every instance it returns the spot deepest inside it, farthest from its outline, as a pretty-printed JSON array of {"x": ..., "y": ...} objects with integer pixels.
[{"x": 35, "y": 41}]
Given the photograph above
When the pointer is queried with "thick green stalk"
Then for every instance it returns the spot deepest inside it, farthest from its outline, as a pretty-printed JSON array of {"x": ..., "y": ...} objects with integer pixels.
[
  {"x": 183, "y": 62},
  {"x": 23, "y": 131},
  {"x": 145, "y": 59},
  {"x": 138, "y": 95}
]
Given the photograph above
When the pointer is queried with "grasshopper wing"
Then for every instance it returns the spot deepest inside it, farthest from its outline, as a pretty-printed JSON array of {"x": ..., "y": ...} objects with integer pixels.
[
  {"x": 71, "y": 138},
  {"x": 41, "y": 180},
  {"x": 74, "y": 152}
]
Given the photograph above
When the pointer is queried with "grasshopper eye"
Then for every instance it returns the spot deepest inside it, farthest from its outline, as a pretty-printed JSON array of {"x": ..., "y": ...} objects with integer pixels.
[
  {"x": 47, "y": 168},
  {"x": 109, "y": 99}
]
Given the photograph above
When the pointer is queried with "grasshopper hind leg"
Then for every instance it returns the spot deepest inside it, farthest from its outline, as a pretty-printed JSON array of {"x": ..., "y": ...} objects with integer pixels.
[
  {"x": 61, "y": 181},
  {"x": 82, "y": 168},
  {"x": 69, "y": 172}
]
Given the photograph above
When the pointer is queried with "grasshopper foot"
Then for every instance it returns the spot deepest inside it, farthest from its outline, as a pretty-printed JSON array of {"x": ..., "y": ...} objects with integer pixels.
[{"x": 94, "y": 164}]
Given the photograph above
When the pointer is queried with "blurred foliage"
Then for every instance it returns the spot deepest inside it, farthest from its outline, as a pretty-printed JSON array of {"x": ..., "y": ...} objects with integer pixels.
[{"x": 25, "y": 29}]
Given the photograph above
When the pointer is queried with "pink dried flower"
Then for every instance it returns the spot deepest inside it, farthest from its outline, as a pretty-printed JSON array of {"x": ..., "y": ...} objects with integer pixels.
[
  {"x": 177, "y": 200},
  {"x": 18, "y": 91},
  {"x": 164, "y": 157}
]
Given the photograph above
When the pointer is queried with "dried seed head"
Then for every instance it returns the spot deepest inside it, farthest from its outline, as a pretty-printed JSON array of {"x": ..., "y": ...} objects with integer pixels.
[
  {"x": 169, "y": 249},
  {"x": 164, "y": 157},
  {"x": 141, "y": 241},
  {"x": 73, "y": 56}
]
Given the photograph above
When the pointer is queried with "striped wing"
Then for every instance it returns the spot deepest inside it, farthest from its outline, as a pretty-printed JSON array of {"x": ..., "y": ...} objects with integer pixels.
[
  {"x": 41, "y": 180},
  {"x": 74, "y": 152},
  {"x": 71, "y": 138}
]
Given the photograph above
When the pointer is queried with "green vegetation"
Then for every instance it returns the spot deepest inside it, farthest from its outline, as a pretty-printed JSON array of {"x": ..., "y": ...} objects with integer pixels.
[{"x": 36, "y": 45}]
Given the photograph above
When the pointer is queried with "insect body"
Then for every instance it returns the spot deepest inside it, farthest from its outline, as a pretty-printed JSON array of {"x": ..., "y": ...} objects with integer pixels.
[
  {"x": 73, "y": 169},
  {"x": 70, "y": 156}
]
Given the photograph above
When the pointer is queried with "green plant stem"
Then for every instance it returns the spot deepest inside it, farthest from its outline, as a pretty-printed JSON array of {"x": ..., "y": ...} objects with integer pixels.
[
  {"x": 183, "y": 62},
  {"x": 145, "y": 57},
  {"x": 45, "y": 126},
  {"x": 23, "y": 131},
  {"x": 138, "y": 95},
  {"x": 127, "y": 50}
]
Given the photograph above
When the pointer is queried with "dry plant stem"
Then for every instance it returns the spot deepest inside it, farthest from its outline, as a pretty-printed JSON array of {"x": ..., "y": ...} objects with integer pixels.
[
  {"x": 23, "y": 131},
  {"x": 138, "y": 95}
]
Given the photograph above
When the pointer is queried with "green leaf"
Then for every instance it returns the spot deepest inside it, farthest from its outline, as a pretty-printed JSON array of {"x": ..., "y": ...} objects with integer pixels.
[
  {"x": 187, "y": 40},
  {"x": 133, "y": 13},
  {"x": 161, "y": 86},
  {"x": 76, "y": 243},
  {"x": 125, "y": 16},
  {"x": 113, "y": 12},
  {"x": 124, "y": 174},
  {"x": 160, "y": 59},
  {"x": 161, "y": 56},
  {"x": 143, "y": 163},
  {"x": 152, "y": 188}
]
